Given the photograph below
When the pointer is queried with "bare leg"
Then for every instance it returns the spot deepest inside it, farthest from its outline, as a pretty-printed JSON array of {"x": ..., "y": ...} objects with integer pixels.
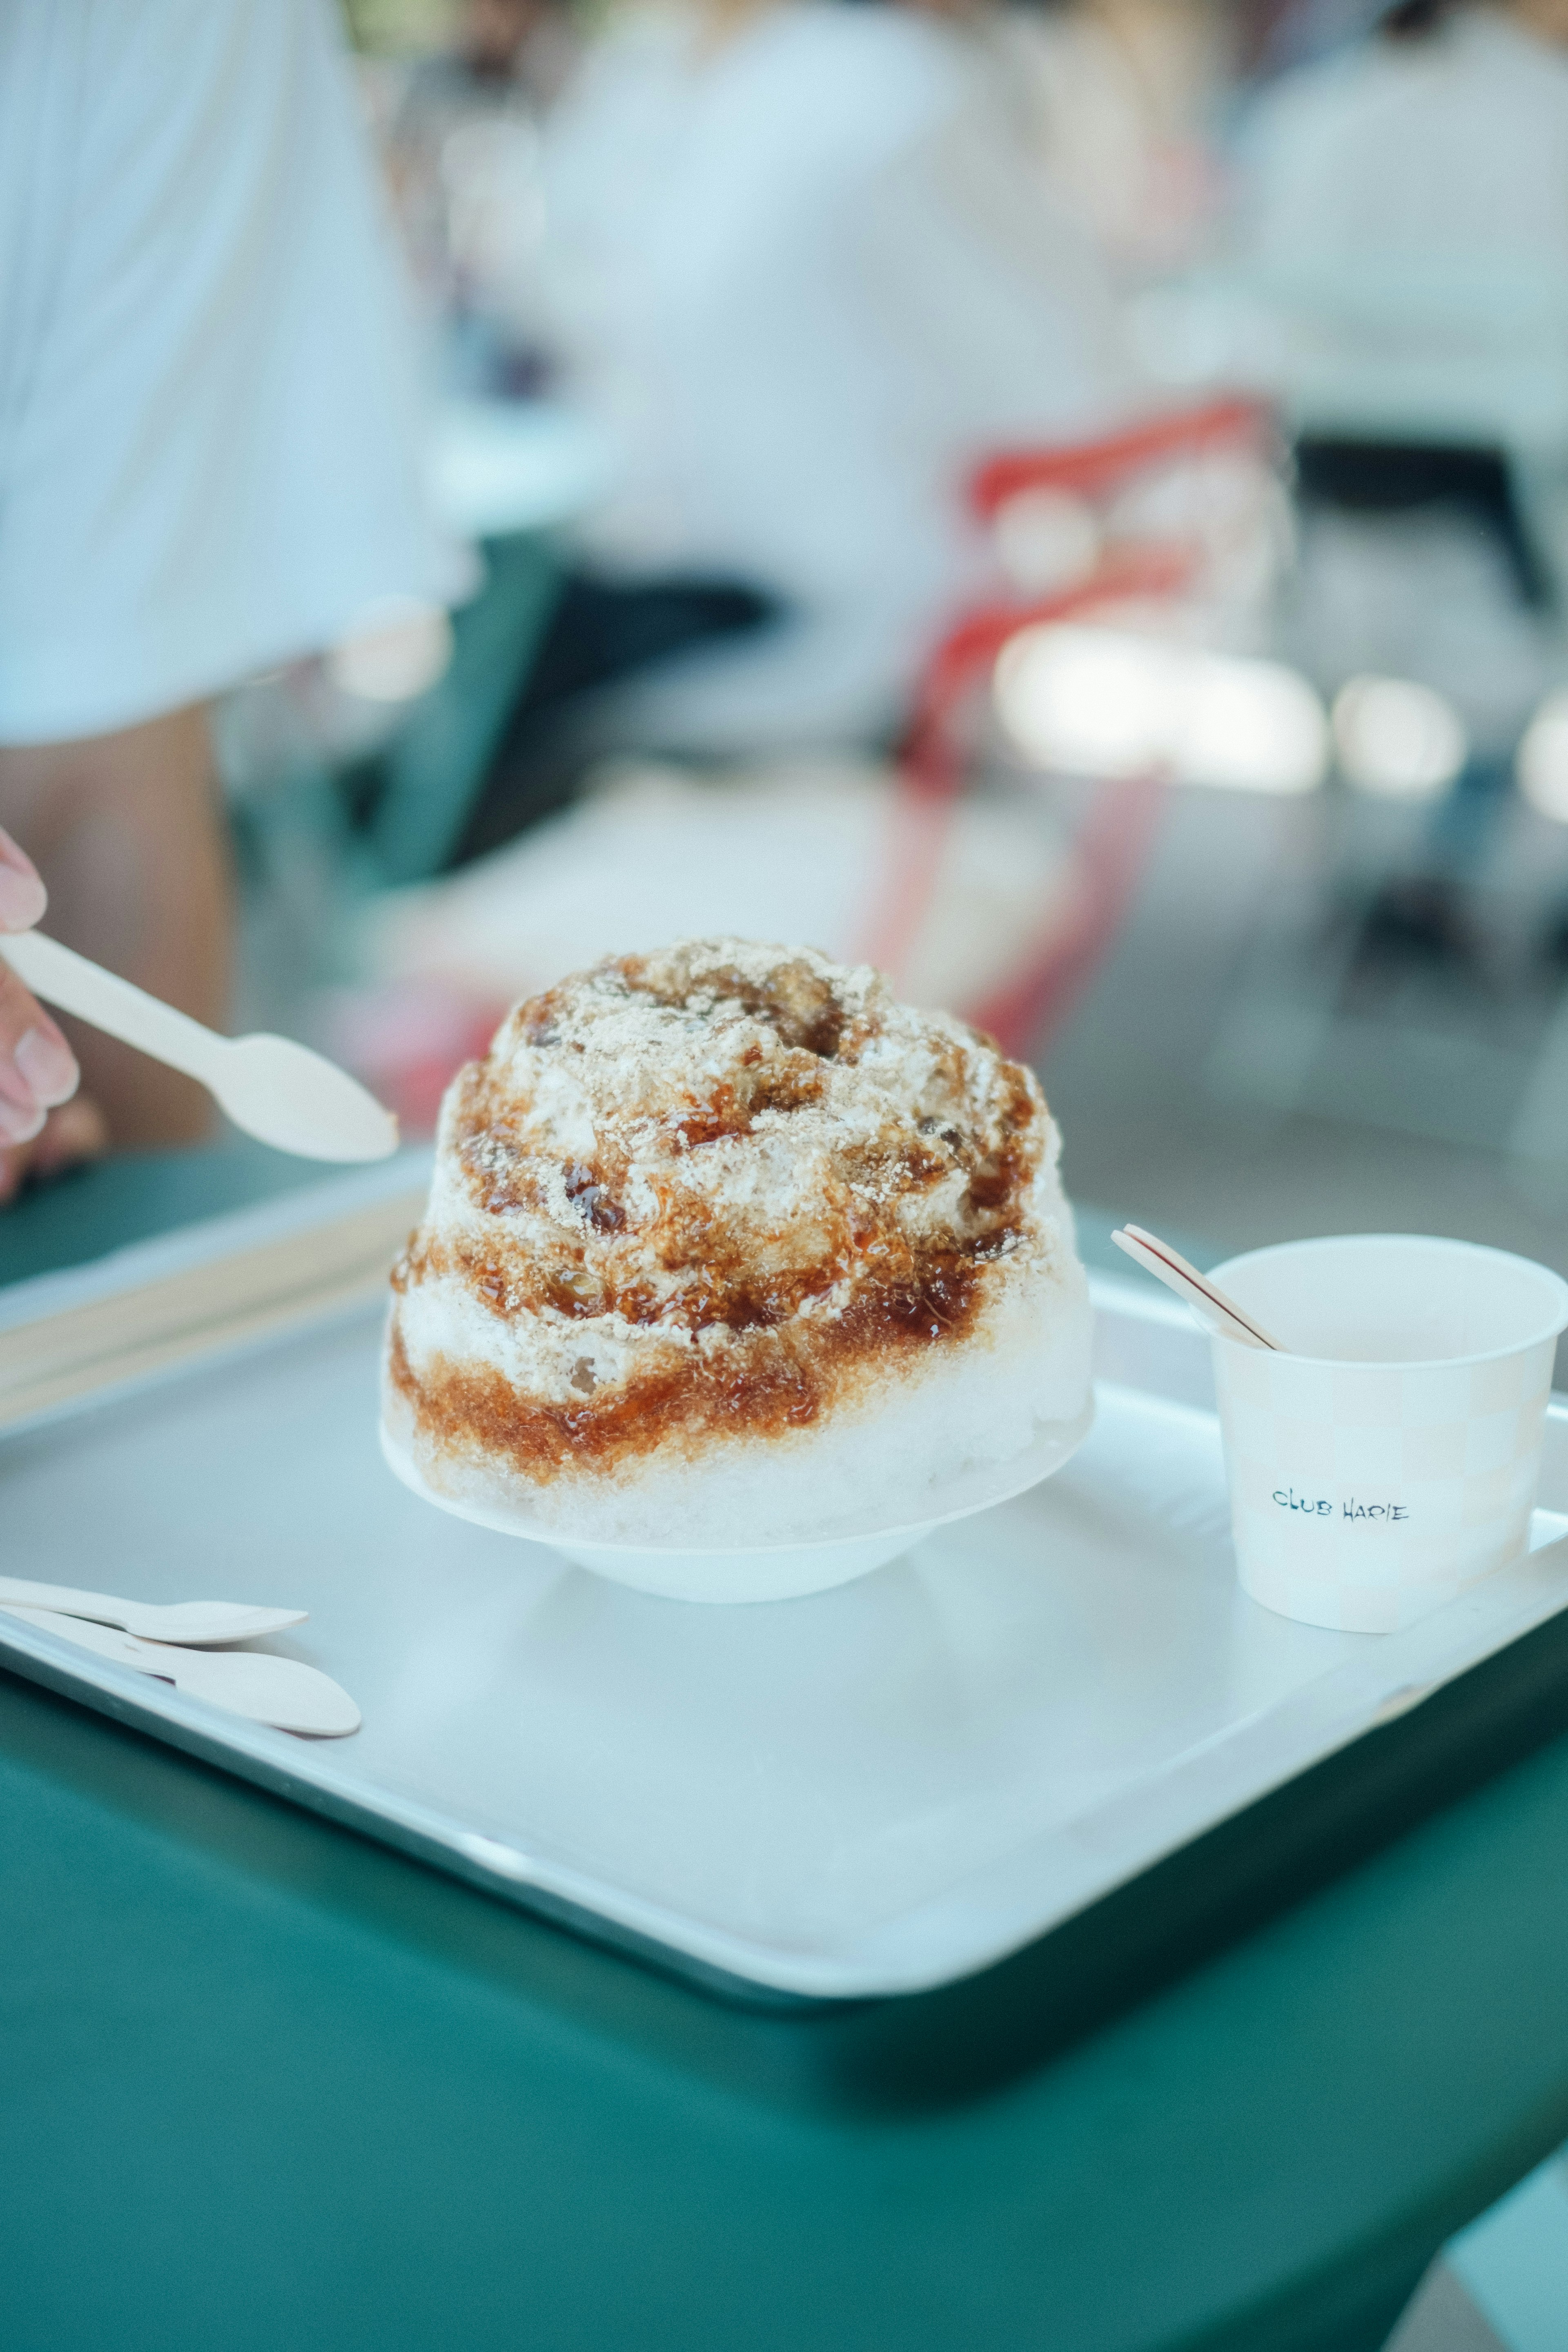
[{"x": 126, "y": 830}]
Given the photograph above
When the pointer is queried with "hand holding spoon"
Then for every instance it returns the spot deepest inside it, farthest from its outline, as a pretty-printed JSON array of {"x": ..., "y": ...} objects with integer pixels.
[
  {"x": 1213, "y": 1308},
  {"x": 198, "y": 1625},
  {"x": 277, "y": 1091}
]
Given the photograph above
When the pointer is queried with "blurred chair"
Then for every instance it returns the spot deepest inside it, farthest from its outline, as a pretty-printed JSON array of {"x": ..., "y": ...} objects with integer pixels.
[
  {"x": 974, "y": 901},
  {"x": 418, "y": 795},
  {"x": 335, "y": 799},
  {"x": 1096, "y": 527}
]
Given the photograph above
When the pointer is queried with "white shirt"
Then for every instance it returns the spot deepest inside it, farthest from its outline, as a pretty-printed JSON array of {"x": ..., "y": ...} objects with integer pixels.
[
  {"x": 1408, "y": 213},
  {"x": 807, "y": 278},
  {"x": 209, "y": 457}
]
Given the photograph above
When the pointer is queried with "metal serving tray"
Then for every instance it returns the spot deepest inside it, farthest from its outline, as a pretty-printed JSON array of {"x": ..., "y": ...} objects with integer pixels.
[{"x": 877, "y": 1790}]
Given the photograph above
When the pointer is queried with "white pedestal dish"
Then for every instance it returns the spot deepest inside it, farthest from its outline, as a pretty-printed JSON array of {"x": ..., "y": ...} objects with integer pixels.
[{"x": 851, "y": 1548}]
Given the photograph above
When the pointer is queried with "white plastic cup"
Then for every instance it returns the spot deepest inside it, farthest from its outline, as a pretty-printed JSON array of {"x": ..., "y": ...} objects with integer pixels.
[{"x": 1392, "y": 1458}]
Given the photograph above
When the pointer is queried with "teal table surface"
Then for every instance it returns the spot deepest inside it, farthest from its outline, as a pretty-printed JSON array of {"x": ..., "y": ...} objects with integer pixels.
[
  {"x": 262, "y": 2081},
  {"x": 108, "y": 1206}
]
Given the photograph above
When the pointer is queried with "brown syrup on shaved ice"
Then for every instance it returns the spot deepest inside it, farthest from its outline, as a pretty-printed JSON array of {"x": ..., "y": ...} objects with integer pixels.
[{"x": 725, "y": 1244}]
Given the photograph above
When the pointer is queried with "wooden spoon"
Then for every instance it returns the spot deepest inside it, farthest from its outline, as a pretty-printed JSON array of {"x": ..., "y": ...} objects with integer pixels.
[
  {"x": 280, "y": 1691},
  {"x": 198, "y": 1625},
  {"x": 1214, "y": 1309},
  {"x": 274, "y": 1089}
]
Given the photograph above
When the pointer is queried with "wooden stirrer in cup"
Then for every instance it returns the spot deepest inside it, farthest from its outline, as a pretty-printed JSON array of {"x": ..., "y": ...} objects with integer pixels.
[{"x": 1213, "y": 1310}]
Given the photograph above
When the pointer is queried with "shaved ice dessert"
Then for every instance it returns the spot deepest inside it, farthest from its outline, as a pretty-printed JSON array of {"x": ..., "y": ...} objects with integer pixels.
[{"x": 726, "y": 1248}]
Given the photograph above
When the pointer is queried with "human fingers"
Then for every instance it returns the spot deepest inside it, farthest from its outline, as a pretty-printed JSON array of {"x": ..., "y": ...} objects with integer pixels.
[
  {"x": 70, "y": 1135},
  {"x": 22, "y": 895},
  {"x": 37, "y": 1068}
]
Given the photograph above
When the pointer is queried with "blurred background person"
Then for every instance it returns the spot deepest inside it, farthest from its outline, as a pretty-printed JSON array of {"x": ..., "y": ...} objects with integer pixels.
[
  {"x": 802, "y": 266},
  {"x": 1405, "y": 221},
  {"x": 208, "y": 464},
  {"x": 1122, "y": 101},
  {"x": 459, "y": 131},
  {"x": 1407, "y": 200}
]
